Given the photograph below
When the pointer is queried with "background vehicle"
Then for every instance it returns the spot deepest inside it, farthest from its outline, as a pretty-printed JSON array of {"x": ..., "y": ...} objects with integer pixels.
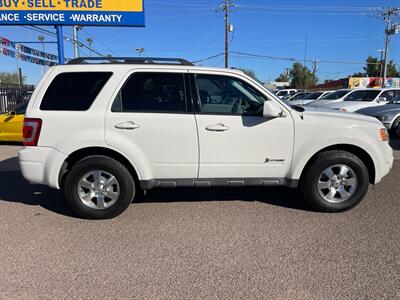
[
  {"x": 286, "y": 92},
  {"x": 299, "y": 95},
  {"x": 388, "y": 114},
  {"x": 333, "y": 97},
  {"x": 102, "y": 132},
  {"x": 311, "y": 97},
  {"x": 11, "y": 125},
  {"x": 363, "y": 99}
]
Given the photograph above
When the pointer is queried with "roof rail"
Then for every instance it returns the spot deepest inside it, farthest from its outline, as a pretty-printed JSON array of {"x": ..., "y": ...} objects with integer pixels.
[{"x": 130, "y": 60}]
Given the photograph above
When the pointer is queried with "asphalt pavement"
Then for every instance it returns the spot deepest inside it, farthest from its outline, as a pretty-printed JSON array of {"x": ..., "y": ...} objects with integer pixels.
[{"x": 198, "y": 244}]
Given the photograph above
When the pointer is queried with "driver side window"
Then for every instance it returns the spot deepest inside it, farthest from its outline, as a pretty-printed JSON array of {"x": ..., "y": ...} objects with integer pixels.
[{"x": 227, "y": 95}]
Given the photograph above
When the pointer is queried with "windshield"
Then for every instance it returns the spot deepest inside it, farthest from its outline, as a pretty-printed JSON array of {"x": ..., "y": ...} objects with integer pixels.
[
  {"x": 313, "y": 96},
  {"x": 366, "y": 96},
  {"x": 299, "y": 96},
  {"x": 395, "y": 101},
  {"x": 334, "y": 95}
]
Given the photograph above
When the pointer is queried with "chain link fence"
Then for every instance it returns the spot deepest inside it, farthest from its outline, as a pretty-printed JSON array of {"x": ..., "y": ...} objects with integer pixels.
[{"x": 14, "y": 95}]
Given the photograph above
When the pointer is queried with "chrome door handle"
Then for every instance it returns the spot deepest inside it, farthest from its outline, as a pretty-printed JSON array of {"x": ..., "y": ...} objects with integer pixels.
[
  {"x": 217, "y": 127},
  {"x": 127, "y": 125}
]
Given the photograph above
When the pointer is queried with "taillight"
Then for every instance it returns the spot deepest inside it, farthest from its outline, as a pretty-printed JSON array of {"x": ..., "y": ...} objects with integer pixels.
[{"x": 31, "y": 131}]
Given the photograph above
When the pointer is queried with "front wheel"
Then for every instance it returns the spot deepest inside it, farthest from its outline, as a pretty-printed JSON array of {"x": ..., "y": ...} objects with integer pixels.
[
  {"x": 99, "y": 187},
  {"x": 396, "y": 128},
  {"x": 335, "y": 181}
]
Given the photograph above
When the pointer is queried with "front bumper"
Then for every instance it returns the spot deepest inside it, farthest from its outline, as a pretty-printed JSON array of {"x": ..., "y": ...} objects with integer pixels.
[
  {"x": 41, "y": 165},
  {"x": 384, "y": 162}
]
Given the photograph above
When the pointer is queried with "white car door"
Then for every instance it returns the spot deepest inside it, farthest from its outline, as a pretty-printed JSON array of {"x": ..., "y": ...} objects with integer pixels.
[
  {"x": 152, "y": 121},
  {"x": 235, "y": 140}
]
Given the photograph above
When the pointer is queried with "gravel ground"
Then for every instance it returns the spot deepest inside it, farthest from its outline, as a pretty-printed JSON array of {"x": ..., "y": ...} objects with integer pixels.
[{"x": 198, "y": 244}]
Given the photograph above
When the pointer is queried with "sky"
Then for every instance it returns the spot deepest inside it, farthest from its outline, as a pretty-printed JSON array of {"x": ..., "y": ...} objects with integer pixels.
[{"x": 336, "y": 30}]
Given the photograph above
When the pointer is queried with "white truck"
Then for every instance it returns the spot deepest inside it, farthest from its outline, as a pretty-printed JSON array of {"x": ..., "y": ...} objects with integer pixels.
[{"x": 104, "y": 129}]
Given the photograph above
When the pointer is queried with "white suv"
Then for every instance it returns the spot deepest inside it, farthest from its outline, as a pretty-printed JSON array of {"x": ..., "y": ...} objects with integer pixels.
[{"x": 104, "y": 131}]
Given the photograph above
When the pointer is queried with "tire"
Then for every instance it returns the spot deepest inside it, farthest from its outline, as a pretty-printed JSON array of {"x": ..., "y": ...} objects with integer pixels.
[
  {"x": 110, "y": 197},
  {"x": 317, "y": 185},
  {"x": 396, "y": 128}
]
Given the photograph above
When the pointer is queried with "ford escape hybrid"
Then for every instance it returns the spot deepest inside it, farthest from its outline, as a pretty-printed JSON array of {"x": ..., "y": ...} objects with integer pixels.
[{"x": 104, "y": 129}]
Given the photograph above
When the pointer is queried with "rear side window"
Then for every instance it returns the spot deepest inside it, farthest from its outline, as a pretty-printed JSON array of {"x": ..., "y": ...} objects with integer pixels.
[
  {"x": 152, "y": 92},
  {"x": 74, "y": 91}
]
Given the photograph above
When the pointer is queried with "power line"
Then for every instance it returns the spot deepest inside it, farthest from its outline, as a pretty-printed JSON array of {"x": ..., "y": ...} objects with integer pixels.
[
  {"x": 260, "y": 56},
  {"x": 50, "y": 33},
  {"x": 225, "y": 7},
  {"x": 387, "y": 14},
  {"x": 208, "y": 58}
]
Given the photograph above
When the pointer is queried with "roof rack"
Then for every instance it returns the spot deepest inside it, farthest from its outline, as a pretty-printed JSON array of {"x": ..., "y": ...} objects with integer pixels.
[{"x": 130, "y": 60}]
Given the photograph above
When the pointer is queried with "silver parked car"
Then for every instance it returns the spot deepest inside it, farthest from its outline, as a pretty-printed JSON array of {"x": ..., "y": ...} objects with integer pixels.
[{"x": 388, "y": 114}]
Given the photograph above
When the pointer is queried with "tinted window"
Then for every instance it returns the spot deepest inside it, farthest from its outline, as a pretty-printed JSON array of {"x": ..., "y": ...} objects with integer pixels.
[
  {"x": 334, "y": 95},
  {"x": 74, "y": 91},
  {"x": 156, "y": 92},
  {"x": 313, "y": 96},
  {"x": 226, "y": 95},
  {"x": 366, "y": 95},
  {"x": 391, "y": 95}
]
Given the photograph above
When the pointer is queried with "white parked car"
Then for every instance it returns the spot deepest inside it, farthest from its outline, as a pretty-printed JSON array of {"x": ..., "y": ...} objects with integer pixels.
[
  {"x": 286, "y": 92},
  {"x": 104, "y": 131},
  {"x": 333, "y": 97},
  {"x": 310, "y": 98},
  {"x": 364, "y": 99}
]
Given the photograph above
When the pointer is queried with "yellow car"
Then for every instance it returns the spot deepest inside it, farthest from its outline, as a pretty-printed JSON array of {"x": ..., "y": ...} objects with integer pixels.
[{"x": 11, "y": 125}]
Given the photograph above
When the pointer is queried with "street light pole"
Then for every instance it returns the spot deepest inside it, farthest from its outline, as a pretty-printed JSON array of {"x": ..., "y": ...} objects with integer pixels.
[
  {"x": 41, "y": 39},
  {"x": 387, "y": 42},
  {"x": 90, "y": 42},
  {"x": 382, "y": 51}
]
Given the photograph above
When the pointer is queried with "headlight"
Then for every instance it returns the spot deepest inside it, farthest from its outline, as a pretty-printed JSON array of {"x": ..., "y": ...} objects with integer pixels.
[{"x": 382, "y": 118}]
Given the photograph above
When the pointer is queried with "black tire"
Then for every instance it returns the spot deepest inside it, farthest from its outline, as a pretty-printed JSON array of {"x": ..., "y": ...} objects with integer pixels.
[
  {"x": 324, "y": 160},
  {"x": 124, "y": 178},
  {"x": 395, "y": 131}
]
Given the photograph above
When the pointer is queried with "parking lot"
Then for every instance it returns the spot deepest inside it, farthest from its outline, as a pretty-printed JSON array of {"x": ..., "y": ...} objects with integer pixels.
[{"x": 218, "y": 243}]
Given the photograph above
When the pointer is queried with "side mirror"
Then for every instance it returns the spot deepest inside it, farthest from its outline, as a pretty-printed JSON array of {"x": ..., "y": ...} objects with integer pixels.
[
  {"x": 13, "y": 113},
  {"x": 272, "y": 110}
]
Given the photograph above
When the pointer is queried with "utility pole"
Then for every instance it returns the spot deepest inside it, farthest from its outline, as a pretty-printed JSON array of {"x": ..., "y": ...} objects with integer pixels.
[
  {"x": 391, "y": 28},
  {"x": 225, "y": 7},
  {"x": 76, "y": 29}
]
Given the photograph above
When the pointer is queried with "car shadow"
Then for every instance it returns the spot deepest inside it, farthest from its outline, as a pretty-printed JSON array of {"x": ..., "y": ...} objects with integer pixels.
[
  {"x": 14, "y": 188},
  {"x": 11, "y": 144}
]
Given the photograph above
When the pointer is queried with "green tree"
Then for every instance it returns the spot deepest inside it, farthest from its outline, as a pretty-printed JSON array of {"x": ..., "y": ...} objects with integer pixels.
[
  {"x": 284, "y": 77},
  {"x": 373, "y": 68},
  {"x": 11, "y": 78},
  {"x": 249, "y": 73},
  {"x": 301, "y": 77}
]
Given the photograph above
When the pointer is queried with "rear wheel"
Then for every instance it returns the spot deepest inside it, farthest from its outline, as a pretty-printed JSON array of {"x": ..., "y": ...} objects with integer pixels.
[
  {"x": 335, "y": 181},
  {"x": 99, "y": 187}
]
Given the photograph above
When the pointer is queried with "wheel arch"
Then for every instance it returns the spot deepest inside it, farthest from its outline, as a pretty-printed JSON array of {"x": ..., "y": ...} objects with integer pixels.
[
  {"x": 78, "y": 155},
  {"x": 357, "y": 151}
]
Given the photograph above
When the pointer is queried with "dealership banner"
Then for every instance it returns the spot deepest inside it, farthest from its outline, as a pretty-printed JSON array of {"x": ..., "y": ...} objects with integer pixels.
[
  {"x": 26, "y": 50},
  {"x": 26, "y": 58},
  {"x": 372, "y": 82},
  {"x": 72, "y": 12}
]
